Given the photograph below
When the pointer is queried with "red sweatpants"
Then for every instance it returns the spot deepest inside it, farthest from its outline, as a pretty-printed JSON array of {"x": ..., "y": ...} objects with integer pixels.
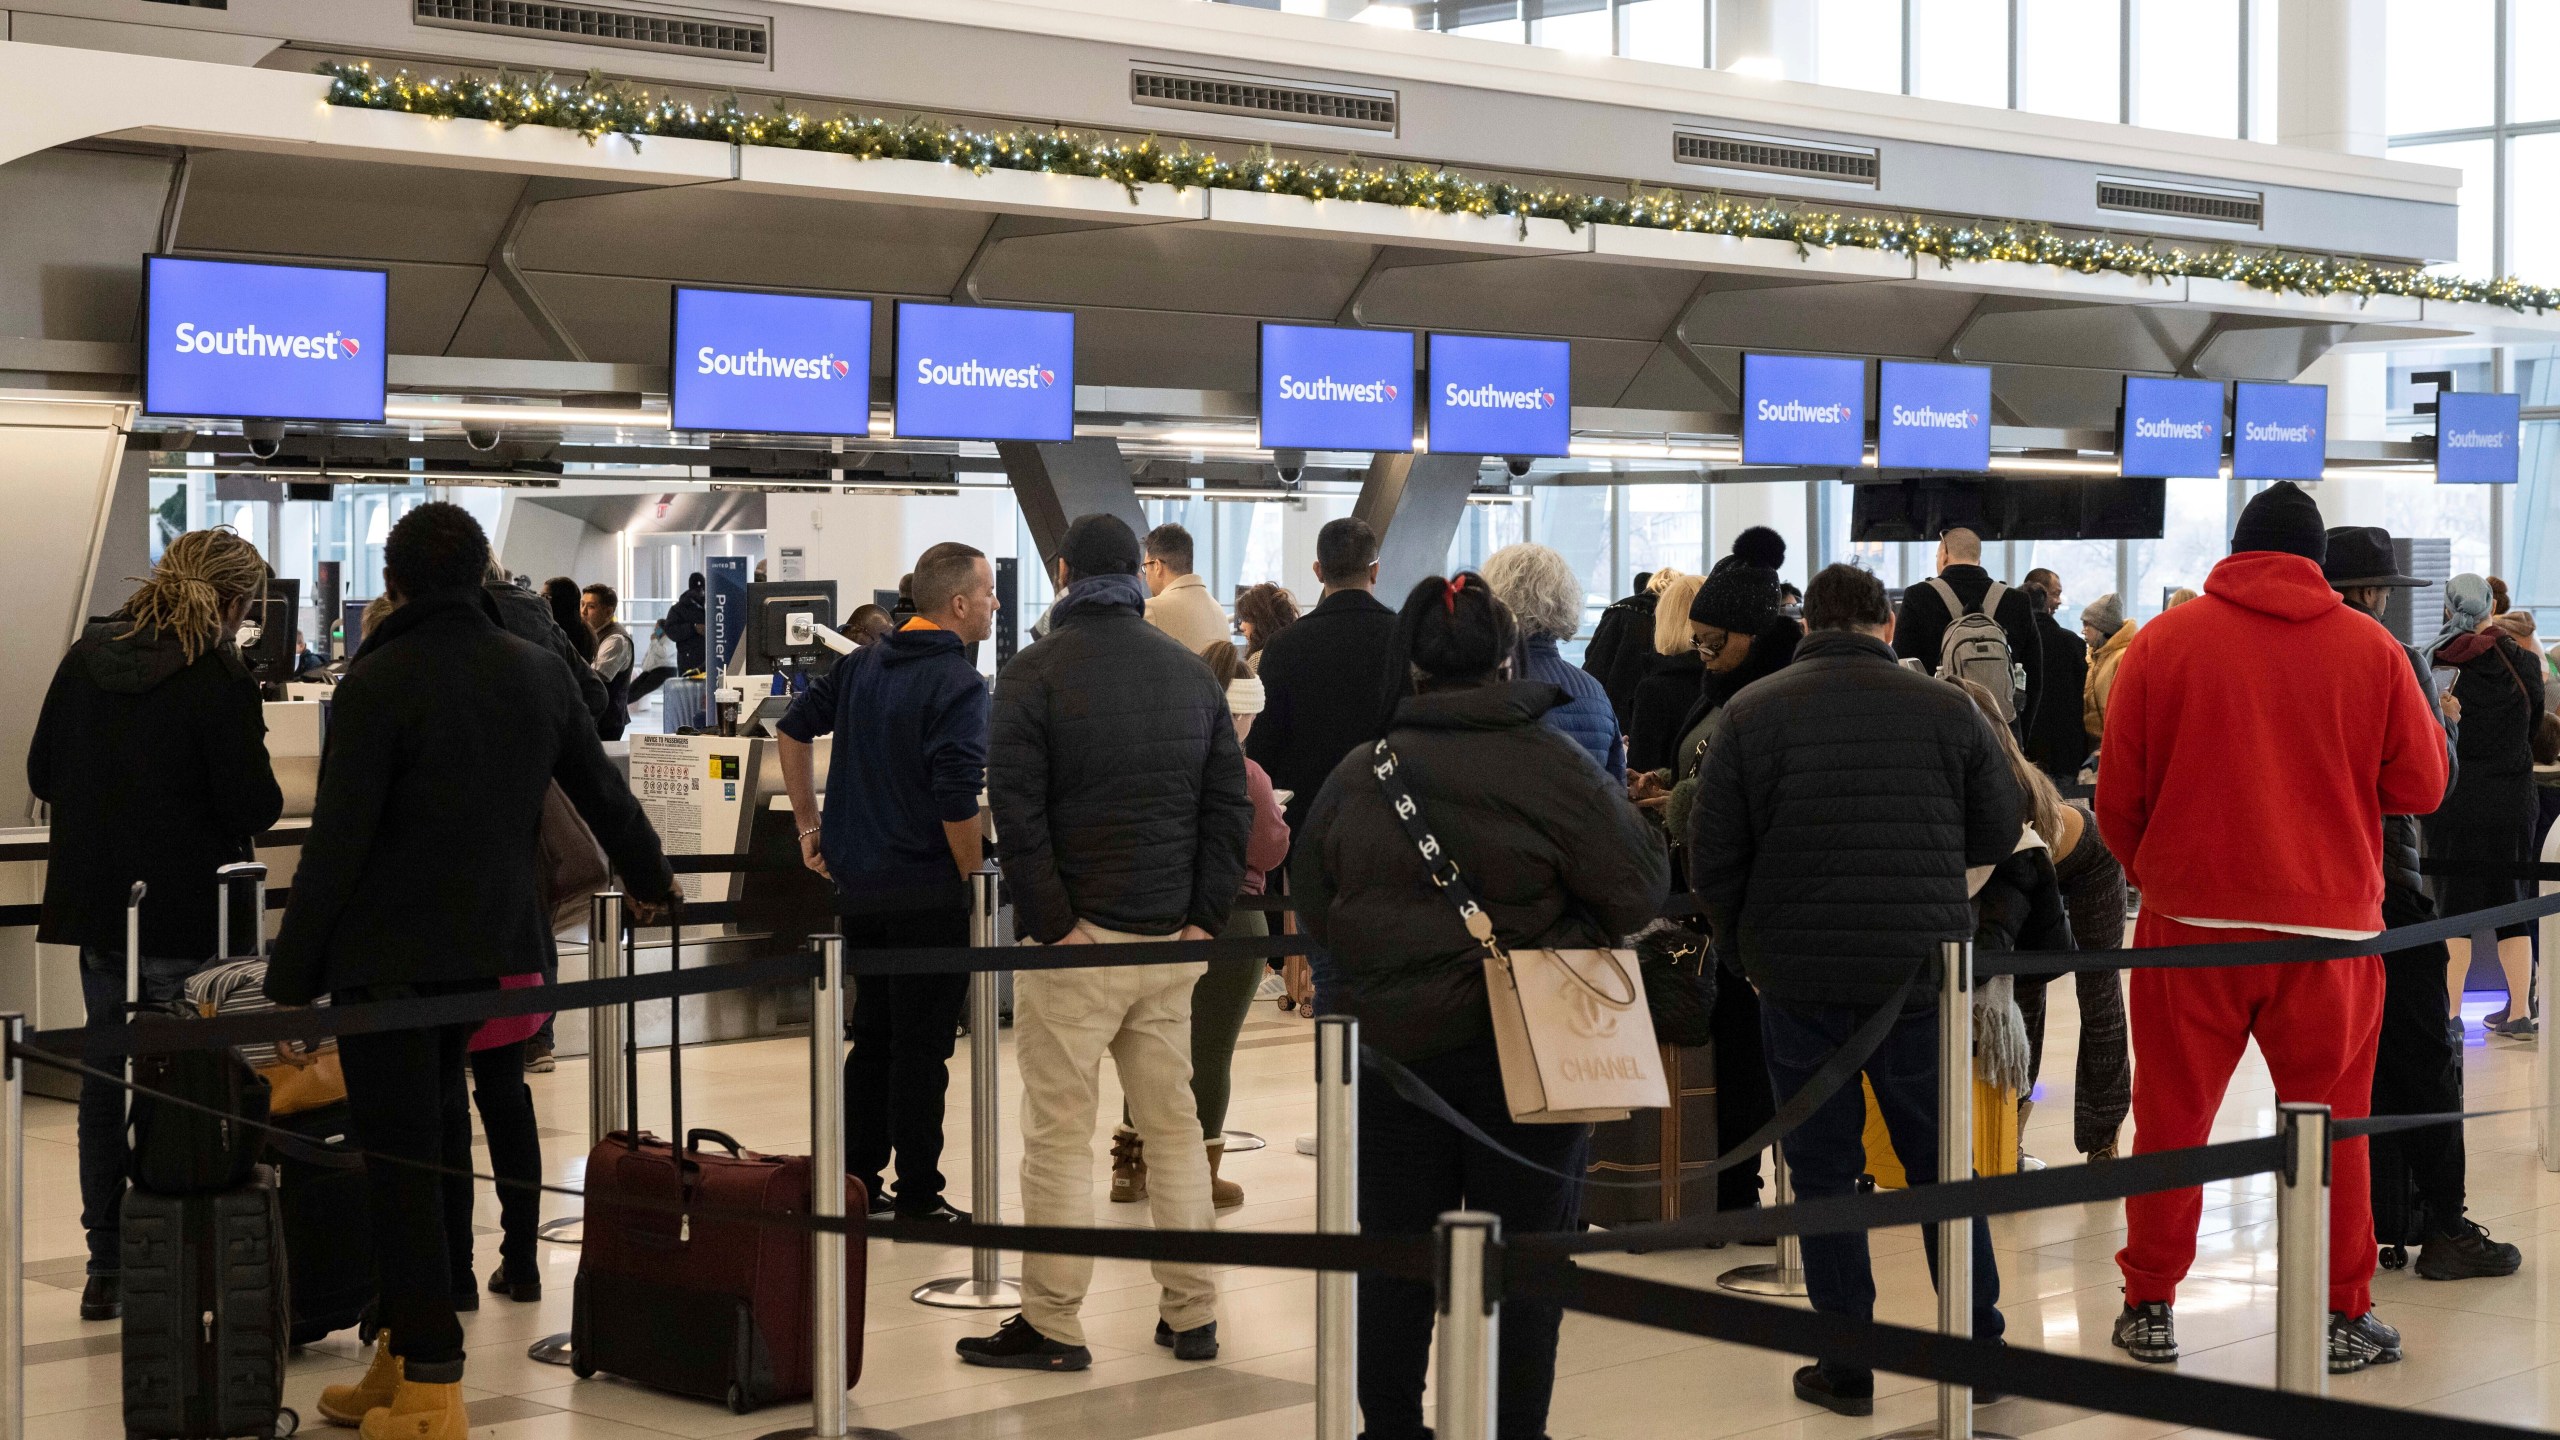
[{"x": 2316, "y": 1024}]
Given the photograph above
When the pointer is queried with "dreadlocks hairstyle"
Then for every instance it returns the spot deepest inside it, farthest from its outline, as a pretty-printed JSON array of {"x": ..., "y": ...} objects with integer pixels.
[
  {"x": 1453, "y": 632},
  {"x": 200, "y": 575}
]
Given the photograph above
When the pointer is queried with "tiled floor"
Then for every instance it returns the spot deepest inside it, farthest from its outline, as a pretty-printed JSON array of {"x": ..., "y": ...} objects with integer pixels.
[{"x": 2486, "y": 1348}]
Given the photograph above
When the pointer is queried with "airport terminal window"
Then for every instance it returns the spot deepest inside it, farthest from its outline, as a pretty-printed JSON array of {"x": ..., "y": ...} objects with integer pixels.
[
  {"x": 1575, "y": 521},
  {"x": 1857, "y": 45},
  {"x": 1960, "y": 50},
  {"x": 1671, "y": 32},
  {"x": 1581, "y": 26},
  {"x": 2186, "y": 66},
  {"x": 2441, "y": 66},
  {"x": 1663, "y": 525},
  {"x": 1483, "y": 530},
  {"x": 2196, "y": 533},
  {"x": 2476, "y": 233},
  {"x": 2071, "y": 59},
  {"x": 2087, "y": 568}
]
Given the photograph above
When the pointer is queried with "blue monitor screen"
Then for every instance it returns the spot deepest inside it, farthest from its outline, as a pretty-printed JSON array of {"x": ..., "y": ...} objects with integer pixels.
[
  {"x": 227, "y": 339},
  {"x": 2279, "y": 432},
  {"x": 2171, "y": 428},
  {"x": 1803, "y": 410},
  {"x": 1328, "y": 389},
  {"x": 2478, "y": 437},
  {"x": 1500, "y": 397},
  {"x": 751, "y": 363},
  {"x": 971, "y": 372},
  {"x": 1933, "y": 417}
]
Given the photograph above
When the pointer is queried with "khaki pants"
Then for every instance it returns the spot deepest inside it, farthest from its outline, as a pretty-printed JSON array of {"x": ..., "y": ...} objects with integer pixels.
[{"x": 1064, "y": 1021}]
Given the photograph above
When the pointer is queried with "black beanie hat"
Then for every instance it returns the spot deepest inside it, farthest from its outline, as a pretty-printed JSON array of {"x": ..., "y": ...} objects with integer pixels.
[
  {"x": 2283, "y": 517},
  {"x": 1100, "y": 545},
  {"x": 1742, "y": 598}
]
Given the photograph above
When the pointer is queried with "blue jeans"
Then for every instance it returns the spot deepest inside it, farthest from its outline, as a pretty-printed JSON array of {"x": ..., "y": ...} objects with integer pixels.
[
  {"x": 101, "y": 1126},
  {"x": 1827, "y": 1153}
]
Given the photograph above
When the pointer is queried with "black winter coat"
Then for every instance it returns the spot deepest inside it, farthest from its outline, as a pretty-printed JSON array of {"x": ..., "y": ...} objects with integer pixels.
[
  {"x": 1666, "y": 696},
  {"x": 156, "y": 769},
  {"x": 443, "y": 739},
  {"x": 1839, "y": 804},
  {"x": 2058, "y": 743},
  {"x": 1117, "y": 782},
  {"x": 2400, "y": 848},
  {"x": 683, "y": 627},
  {"x": 1324, "y": 686},
  {"x": 2021, "y": 907},
  {"x": 1922, "y": 627},
  {"x": 523, "y": 614},
  {"x": 1620, "y": 652},
  {"x": 1556, "y": 856}
]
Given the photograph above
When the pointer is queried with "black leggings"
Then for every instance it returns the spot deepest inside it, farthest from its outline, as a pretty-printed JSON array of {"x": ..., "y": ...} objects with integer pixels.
[{"x": 515, "y": 1153}]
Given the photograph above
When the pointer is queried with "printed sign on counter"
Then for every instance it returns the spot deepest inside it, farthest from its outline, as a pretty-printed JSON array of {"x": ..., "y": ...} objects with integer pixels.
[
  {"x": 225, "y": 339},
  {"x": 1803, "y": 410},
  {"x": 2279, "y": 432},
  {"x": 2170, "y": 428},
  {"x": 977, "y": 372},
  {"x": 1332, "y": 389},
  {"x": 1933, "y": 417},
  {"x": 2478, "y": 438},
  {"x": 746, "y": 362},
  {"x": 695, "y": 789},
  {"x": 1492, "y": 396}
]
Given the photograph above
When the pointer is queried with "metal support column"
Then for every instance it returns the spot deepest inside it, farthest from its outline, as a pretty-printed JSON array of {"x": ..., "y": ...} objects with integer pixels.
[
  {"x": 1783, "y": 1278},
  {"x": 1470, "y": 1324},
  {"x": 986, "y": 1286},
  {"x": 1337, "y": 1213},
  {"x": 1955, "y": 1162},
  {"x": 2302, "y": 1250},
  {"x": 13, "y": 1229},
  {"x": 608, "y": 1104},
  {"x": 827, "y": 1387}
]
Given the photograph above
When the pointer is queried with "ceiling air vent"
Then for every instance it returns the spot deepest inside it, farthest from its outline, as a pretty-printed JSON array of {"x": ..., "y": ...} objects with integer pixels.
[
  {"x": 1773, "y": 155},
  {"x": 1256, "y": 98},
  {"x": 604, "y": 25},
  {"x": 2183, "y": 202}
]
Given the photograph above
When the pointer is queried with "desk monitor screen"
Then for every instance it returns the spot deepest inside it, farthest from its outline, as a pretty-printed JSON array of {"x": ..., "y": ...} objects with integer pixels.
[
  {"x": 273, "y": 616},
  {"x": 772, "y": 640},
  {"x": 351, "y": 626}
]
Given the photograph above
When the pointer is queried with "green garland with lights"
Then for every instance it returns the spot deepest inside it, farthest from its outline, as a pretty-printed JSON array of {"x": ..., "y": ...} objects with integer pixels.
[{"x": 596, "y": 107}]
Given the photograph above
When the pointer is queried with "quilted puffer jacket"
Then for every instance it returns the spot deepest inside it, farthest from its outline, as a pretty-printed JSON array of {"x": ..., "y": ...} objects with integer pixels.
[
  {"x": 1838, "y": 805},
  {"x": 1113, "y": 768}
]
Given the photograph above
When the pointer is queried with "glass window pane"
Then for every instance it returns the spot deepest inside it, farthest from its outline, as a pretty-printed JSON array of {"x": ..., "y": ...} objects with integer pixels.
[
  {"x": 1483, "y": 530},
  {"x": 1960, "y": 51},
  {"x": 1666, "y": 525},
  {"x": 1573, "y": 520},
  {"x": 1858, "y": 44},
  {"x": 2195, "y": 535},
  {"x": 2070, "y": 60},
  {"x": 2186, "y": 65},
  {"x": 1581, "y": 26},
  {"x": 2439, "y": 75},
  {"x": 2537, "y": 585},
  {"x": 2087, "y": 568},
  {"x": 1671, "y": 32},
  {"x": 2533, "y": 206},
  {"x": 2473, "y": 251}
]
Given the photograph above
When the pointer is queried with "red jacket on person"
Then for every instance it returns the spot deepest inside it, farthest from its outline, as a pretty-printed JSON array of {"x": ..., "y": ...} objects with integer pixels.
[{"x": 2255, "y": 739}]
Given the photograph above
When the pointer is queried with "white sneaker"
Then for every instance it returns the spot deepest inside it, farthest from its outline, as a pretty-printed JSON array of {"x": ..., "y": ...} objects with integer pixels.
[
  {"x": 1272, "y": 986},
  {"x": 1306, "y": 1144}
]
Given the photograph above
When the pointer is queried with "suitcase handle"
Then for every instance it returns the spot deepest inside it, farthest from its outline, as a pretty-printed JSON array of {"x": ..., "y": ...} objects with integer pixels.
[{"x": 693, "y": 1141}]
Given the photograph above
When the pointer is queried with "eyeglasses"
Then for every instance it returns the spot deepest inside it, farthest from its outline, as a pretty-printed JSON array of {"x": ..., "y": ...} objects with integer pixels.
[{"x": 1709, "y": 649}]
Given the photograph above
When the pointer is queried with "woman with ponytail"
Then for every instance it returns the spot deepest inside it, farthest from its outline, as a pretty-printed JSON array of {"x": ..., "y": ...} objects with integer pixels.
[
  {"x": 1557, "y": 857},
  {"x": 151, "y": 753}
]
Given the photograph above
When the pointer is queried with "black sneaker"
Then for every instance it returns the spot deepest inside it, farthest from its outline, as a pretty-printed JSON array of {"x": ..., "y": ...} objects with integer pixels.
[
  {"x": 2148, "y": 1333},
  {"x": 1842, "y": 1392},
  {"x": 880, "y": 1208},
  {"x": 102, "y": 1298},
  {"x": 938, "y": 1213},
  {"x": 1199, "y": 1344},
  {"x": 1016, "y": 1345},
  {"x": 2360, "y": 1342},
  {"x": 522, "y": 1284},
  {"x": 2465, "y": 1252}
]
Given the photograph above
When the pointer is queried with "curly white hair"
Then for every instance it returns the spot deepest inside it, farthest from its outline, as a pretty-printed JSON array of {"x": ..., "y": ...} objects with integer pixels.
[{"x": 1544, "y": 594}]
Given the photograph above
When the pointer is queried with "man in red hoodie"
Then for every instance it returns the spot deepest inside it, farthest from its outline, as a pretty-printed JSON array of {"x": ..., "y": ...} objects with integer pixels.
[{"x": 2255, "y": 739}]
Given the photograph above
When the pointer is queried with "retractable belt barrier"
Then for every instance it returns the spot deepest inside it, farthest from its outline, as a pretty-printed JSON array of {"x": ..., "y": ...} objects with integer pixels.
[{"x": 2291, "y": 951}]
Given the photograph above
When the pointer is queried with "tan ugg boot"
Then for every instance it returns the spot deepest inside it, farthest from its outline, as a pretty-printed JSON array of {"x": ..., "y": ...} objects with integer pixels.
[
  {"x": 419, "y": 1411},
  {"x": 347, "y": 1404},
  {"x": 1128, "y": 1167},
  {"x": 1223, "y": 1194}
]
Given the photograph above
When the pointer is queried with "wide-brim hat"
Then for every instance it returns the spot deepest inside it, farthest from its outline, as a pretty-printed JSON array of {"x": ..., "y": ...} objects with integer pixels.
[{"x": 2360, "y": 557}]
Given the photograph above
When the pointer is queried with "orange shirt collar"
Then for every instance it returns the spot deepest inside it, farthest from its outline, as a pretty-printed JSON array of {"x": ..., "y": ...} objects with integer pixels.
[{"x": 919, "y": 623}]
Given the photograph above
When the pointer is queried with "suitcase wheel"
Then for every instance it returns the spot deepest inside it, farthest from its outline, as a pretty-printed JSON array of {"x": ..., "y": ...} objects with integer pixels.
[
  {"x": 738, "y": 1399},
  {"x": 2395, "y": 1257},
  {"x": 579, "y": 1367}
]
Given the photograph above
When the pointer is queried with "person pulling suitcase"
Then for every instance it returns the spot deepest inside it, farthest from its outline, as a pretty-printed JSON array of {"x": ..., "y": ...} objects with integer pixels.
[{"x": 419, "y": 879}]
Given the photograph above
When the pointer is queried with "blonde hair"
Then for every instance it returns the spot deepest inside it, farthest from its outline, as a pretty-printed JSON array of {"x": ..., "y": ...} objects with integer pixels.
[
  {"x": 376, "y": 610},
  {"x": 200, "y": 575},
  {"x": 2180, "y": 596},
  {"x": 2043, "y": 807},
  {"x": 1671, "y": 634},
  {"x": 1662, "y": 579}
]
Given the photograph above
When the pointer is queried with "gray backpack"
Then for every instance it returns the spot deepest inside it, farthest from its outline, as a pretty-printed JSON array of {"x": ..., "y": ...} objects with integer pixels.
[{"x": 1975, "y": 648}]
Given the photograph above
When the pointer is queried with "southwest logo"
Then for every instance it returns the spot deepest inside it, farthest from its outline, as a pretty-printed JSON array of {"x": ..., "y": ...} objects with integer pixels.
[
  {"x": 1929, "y": 417},
  {"x": 1326, "y": 388},
  {"x": 1493, "y": 397},
  {"x": 759, "y": 364},
  {"x": 970, "y": 375},
  {"x": 249, "y": 342},
  {"x": 843, "y": 369}
]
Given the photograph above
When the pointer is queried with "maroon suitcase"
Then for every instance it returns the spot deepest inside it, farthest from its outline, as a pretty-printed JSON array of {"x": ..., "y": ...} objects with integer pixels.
[{"x": 705, "y": 1305}]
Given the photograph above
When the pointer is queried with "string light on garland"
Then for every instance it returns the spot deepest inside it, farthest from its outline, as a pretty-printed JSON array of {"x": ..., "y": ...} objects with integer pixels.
[{"x": 596, "y": 107}]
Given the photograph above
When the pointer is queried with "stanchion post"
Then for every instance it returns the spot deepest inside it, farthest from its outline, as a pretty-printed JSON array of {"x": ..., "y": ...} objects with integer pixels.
[
  {"x": 608, "y": 1108},
  {"x": 2302, "y": 1250},
  {"x": 827, "y": 1387},
  {"x": 1337, "y": 1213},
  {"x": 1955, "y": 1162},
  {"x": 1784, "y": 1277},
  {"x": 1470, "y": 1324},
  {"x": 985, "y": 1287},
  {"x": 13, "y": 1229}
]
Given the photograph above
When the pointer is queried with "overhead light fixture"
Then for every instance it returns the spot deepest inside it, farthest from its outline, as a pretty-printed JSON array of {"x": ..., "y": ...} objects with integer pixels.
[
  {"x": 1758, "y": 67},
  {"x": 548, "y": 417},
  {"x": 1392, "y": 17}
]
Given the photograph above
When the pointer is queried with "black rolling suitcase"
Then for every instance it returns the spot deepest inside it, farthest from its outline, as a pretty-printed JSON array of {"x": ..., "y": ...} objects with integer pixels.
[{"x": 206, "y": 1298}]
